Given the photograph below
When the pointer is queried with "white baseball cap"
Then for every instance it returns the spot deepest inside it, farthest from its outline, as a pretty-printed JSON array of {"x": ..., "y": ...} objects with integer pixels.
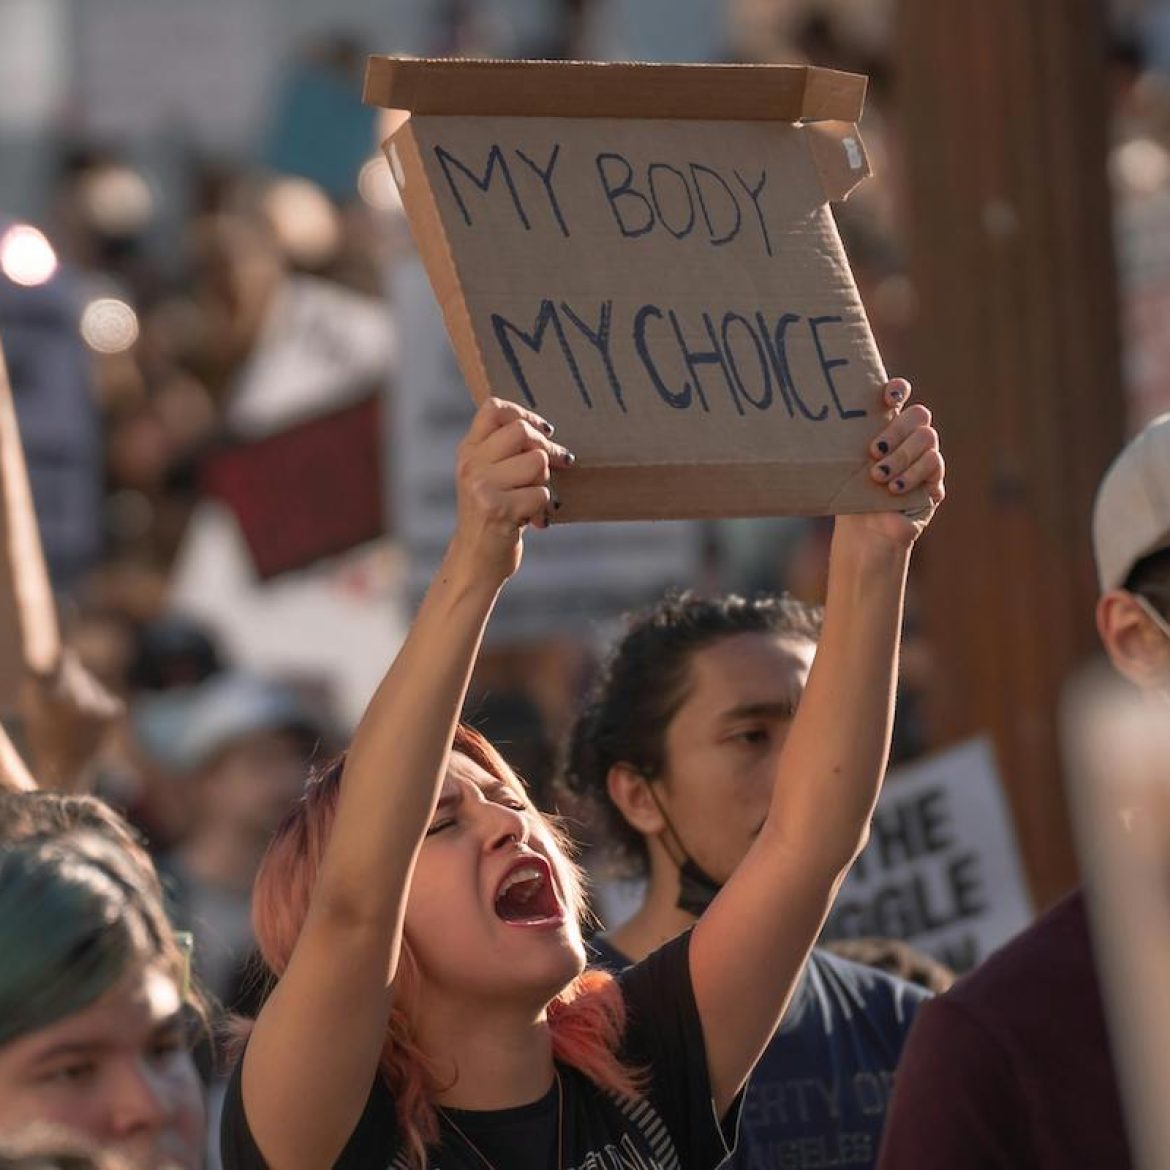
[{"x": 1131, "y": 515}]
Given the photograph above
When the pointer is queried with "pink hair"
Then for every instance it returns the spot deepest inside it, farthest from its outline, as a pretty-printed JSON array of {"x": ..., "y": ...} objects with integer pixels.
[{"x": 586, "y": 1020}]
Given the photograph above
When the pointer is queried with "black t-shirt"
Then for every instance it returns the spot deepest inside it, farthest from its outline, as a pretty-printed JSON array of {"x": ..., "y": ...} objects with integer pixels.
[
  {"x": 673, "y": 1127},
  {"x": 819, "y": 1094}
]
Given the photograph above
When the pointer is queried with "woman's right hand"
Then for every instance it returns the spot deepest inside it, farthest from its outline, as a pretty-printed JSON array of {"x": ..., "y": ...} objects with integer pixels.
[{"x": 502, "y": 484}]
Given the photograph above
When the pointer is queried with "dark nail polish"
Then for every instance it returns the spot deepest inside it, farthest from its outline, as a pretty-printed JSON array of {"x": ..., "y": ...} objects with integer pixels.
[
  {"x": 570, "y": 458},
  {"x": 884, "y": 469},
  {"x": 900, "y": 484},
  {"x": 547, "y": 427},
  {"x": 883, "y": 447}
]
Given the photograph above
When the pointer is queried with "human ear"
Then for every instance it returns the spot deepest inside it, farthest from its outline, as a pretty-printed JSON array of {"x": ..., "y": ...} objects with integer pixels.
[
  {"x": 630, "y": 791},
  {"x": 1136, "y": 647}
]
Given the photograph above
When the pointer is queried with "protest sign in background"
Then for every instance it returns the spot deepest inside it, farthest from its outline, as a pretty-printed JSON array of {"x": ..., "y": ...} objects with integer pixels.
[
  {"x": 646, "y": 256},
  {"x": 298, "y": 401},
  {"x": 941, "y": 869}
]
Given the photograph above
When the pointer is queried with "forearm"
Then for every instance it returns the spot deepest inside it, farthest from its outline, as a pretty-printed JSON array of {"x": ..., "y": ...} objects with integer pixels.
[
  {"x": 394, "y": 766},
  {"x": 14, "y": 776},
  {"x": 832, "y": 765}
]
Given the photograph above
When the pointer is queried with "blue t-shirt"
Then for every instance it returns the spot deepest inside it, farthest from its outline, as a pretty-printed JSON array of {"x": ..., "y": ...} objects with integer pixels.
[{"x": 817, "y": 1099}]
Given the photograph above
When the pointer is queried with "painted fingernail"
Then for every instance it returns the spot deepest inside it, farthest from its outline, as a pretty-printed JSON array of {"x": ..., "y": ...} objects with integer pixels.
[
  {"x": 570, "y": 458},
  {"x": 900, "y": 485},
  {"x": 883, "y": 448},
  {"x": 884, "y": 470},
  {"x": 547, "y": 427},
  {"x": 553, "y": 499}
]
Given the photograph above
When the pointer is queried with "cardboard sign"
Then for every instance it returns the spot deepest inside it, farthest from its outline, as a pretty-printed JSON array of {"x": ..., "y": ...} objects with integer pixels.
[
  {"x": 941, "y": 869},
  {"x": 575, "y": 581},
  {"x": 646, "y": 256},
  {"x": 30, "y": 639},
  {"x": 1117, "y": 752}
]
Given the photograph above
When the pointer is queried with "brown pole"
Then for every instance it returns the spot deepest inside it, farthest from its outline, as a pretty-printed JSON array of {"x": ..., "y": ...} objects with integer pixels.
[{"x": 1003, "y": 114}]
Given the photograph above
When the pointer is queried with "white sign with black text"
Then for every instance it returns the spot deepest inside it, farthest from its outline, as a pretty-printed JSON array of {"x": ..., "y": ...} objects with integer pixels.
[{"x": 941, "y": 869}]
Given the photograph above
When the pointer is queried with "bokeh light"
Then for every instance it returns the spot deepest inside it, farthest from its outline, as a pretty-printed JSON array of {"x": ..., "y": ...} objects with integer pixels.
[
  {"x": 376, "y": 186},
  {"x": 305, "y": 222},
  {"x": 26, "y": 256},
  {"x": 109, "y": 325},
  {"x": 117, "y": 200},
  {"x": 1140, "y": 166}
]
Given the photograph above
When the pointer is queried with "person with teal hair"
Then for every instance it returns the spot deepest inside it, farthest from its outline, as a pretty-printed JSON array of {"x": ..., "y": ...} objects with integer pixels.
[{"x": 94, "y": 1015}]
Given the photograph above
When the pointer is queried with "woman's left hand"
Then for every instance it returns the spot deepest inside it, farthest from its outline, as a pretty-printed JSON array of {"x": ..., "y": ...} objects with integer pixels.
[{"x": 905, "y": 456}]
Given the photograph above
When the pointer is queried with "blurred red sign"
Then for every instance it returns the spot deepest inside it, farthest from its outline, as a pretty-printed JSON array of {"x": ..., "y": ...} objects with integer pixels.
[{"x": 305, "y": 493}]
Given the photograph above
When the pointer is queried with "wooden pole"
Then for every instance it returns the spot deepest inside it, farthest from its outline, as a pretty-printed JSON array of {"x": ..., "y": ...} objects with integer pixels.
[{"x": 1003, "y": 112}]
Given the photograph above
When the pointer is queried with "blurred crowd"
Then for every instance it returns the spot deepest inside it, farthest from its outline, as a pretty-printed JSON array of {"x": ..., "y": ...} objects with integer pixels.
[
  {"x": 137, "y": 328},
  {"x": 134, "y": 331}
]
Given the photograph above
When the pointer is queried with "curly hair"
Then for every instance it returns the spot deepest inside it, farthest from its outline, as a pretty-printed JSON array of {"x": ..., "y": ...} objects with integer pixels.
[{"x": 639, "y": 689}]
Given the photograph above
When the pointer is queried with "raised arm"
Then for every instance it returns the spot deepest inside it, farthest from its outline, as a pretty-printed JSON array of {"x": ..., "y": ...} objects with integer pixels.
[
  {"x": 14, "y": 776},
  {"x": 314, "y": 1052},
  {"x": 749, "y": 947}
]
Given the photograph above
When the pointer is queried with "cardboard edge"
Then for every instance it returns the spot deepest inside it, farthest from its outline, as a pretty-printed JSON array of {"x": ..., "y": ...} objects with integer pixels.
[
  {"x": 617, "y": 492},
  {"x": 839, "y": 155},
  {"x": 430, "y": 236},
  {"x": 833, "y": 95},
  {"x": 588, "y": 89}
]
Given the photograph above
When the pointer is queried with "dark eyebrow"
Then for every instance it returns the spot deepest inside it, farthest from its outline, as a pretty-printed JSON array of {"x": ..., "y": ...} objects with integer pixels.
[
  {"x": 175, "y": 1022},
  {"x": 495, "y": 788},
  {"x": 785, "y": 709}
]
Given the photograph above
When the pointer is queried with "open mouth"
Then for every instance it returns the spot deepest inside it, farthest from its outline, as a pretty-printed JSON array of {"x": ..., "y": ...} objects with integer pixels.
[{"x": 527, "y": 896}]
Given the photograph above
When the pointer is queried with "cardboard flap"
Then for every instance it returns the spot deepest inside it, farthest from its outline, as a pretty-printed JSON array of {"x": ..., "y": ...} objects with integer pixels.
[
  {"x": 578, "y": 89},
  {"x": 839, "y": 156},
  {"x": 29, "y": 636}
]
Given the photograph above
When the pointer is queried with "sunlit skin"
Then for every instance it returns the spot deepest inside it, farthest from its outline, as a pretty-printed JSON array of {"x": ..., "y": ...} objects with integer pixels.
[
  {"x": 721, "y": 754},
  {"x": 118, "y": 1072},
  {"x": 481, "y": 829},
  {"x": 723, "y": 744},
  {"x": 388, "y": 887}
]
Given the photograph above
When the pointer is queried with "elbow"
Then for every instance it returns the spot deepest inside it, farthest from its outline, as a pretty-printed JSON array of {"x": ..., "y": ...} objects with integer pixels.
[{"x": 348, "y": 912}]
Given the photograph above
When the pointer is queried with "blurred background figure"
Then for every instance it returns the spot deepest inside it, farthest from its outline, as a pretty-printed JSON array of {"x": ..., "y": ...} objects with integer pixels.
[
  {"x": 242, "y": 749},
  {"x": 94, "y": 1031},
  {"x": 206, "y": 281}
]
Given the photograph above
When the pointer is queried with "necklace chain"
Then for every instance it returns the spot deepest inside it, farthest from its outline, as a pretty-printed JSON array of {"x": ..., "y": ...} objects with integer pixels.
[{"x": 560, "y": 1128}]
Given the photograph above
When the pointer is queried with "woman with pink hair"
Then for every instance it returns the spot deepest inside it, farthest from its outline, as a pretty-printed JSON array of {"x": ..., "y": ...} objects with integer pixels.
[{"x": 431, "y": 1004}]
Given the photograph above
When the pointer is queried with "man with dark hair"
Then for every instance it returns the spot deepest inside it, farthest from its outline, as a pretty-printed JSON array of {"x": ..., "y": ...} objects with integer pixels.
[
  {"x": 1012, "y": 1067},
  {"x": 674, "y": 755}
]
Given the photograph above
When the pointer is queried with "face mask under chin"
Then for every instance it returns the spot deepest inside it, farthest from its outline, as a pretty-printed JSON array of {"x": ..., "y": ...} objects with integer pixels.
[{"x": 696, "y": 888}]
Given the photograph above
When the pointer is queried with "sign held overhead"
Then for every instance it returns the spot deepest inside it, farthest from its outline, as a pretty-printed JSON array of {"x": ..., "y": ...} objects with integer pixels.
[{"x": 645, "y": 255}]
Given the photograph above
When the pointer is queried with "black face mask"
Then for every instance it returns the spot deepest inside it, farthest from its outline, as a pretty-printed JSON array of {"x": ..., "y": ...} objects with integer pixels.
[{"x": 696, "y": 887}]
